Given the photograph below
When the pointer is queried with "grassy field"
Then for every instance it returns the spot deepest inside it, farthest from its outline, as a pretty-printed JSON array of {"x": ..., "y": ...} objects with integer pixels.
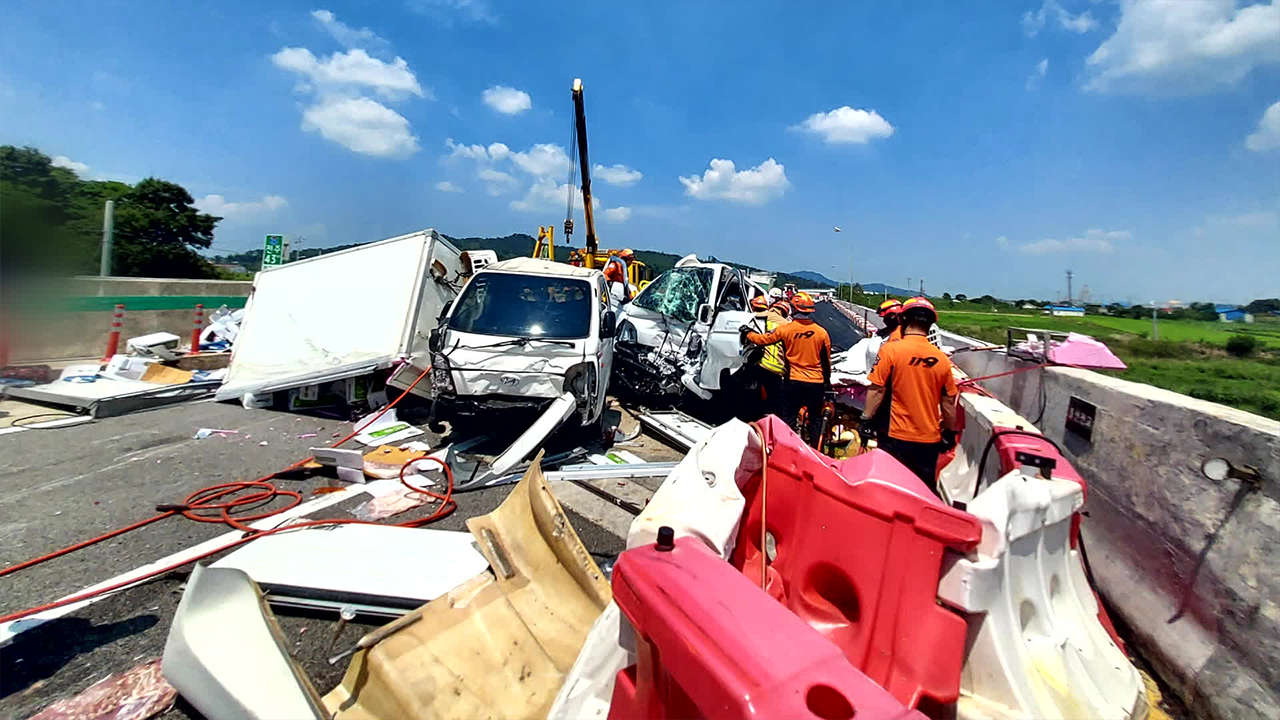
[{"x": 1190, "y": 356}]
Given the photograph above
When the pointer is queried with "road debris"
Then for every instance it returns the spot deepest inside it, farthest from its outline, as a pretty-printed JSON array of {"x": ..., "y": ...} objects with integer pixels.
[{"x": 135, "y": 694}]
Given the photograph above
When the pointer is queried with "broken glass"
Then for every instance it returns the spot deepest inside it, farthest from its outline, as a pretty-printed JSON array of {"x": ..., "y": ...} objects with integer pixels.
[
  {"x": 678, "y": 292},
  {"x": 524, "y": 306}
]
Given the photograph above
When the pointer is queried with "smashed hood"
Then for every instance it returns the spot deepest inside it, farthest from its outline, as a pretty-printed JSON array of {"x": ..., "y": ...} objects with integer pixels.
[{"x": 534, "y": 370}]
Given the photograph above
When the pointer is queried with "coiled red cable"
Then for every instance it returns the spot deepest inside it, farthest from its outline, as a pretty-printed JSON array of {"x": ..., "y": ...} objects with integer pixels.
[{"x": 222, "y": 500}]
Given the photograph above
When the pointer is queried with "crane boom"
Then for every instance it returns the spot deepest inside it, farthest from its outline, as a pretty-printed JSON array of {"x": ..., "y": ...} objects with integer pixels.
[{"x": 580, "y": 123}]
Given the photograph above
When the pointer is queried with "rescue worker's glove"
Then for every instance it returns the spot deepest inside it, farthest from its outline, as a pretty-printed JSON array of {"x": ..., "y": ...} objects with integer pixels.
[
  {"x": 948, "y": 440},
  {"x": 865, "y": 429},
  {"x": 742, "y": 333}
]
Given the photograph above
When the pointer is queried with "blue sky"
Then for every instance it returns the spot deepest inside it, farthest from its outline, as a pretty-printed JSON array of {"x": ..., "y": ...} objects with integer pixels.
[{"x": 986, "y": 147}]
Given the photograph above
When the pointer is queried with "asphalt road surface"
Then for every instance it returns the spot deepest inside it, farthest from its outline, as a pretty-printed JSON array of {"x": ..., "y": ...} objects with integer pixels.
[{"x": 63, "y": 486}]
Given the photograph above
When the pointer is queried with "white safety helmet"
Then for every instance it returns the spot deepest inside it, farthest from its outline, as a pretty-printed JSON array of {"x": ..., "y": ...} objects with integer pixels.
[{"x": 775, "y": 294}]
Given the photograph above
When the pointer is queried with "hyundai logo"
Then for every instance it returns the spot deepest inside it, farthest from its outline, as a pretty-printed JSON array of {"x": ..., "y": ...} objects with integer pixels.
[{"x": 510, "y": 380}]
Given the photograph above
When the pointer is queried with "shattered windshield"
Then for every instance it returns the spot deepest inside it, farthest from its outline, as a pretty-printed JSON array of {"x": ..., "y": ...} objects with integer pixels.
[
  {"x": 678, "y": 292},
  {"x": 524, "y": 306}
]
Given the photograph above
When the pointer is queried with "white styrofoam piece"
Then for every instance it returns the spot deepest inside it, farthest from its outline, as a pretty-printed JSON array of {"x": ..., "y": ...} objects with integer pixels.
[
  {"x": 1038, "y": 649},
  {"x": 371, "y": 560}
]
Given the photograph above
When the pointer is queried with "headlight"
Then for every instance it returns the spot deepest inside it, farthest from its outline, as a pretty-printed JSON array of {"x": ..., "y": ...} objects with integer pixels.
[
  {"x": 581, "y": 381},
  {"x": 627, "y": 333},
  {"x": 441, "y": 376}
]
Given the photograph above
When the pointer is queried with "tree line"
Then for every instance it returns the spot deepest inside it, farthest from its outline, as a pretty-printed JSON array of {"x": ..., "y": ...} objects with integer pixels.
[{"x": 51, "y": 223}]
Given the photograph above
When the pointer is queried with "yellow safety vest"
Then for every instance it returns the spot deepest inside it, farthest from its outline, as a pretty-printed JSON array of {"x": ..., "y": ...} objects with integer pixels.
[{"x": 773, "y": 357}]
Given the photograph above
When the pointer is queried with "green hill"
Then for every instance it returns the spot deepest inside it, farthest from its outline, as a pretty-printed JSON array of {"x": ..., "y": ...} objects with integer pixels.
[{"x": 516, "y": 245}]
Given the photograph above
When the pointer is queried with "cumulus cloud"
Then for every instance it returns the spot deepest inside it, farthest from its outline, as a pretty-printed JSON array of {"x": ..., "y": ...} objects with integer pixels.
[
  {"x": 496, "y": 181},
  {"x": 1267, "y": 136},
  {"x": 1034, "y": 22},
  {"x": 722, "y": 181},
  {"x": 446, "y": 186},
  {"x": 543, "y": 160},
  {"x": 1184, "y": 47},
  {"x": 618, "y": 214},
  {"x": 253, "y": 209},
  {"x": 63, "y": 161},
  {"x": 347, "y": 36},
  {"x": 353, "y": 70},
  {"x": 847, "y": 125},
  {"x": 545, "y": 195},
  {"x": 362, "y": 125},
  {"x": 1095, "y": 240},
  {"x": 619, "y": 175},
  {"x": 507, "y": 100}
]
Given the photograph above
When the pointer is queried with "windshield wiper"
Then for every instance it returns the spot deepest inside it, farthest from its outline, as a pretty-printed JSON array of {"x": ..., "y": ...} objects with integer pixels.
[{"x": 522, "y": 342}]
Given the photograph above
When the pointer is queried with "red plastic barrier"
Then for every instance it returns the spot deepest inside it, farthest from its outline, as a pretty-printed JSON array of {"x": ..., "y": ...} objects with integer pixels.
[
  {"x": 710, "y": 644},
  {"x": 859, "y": 547}
]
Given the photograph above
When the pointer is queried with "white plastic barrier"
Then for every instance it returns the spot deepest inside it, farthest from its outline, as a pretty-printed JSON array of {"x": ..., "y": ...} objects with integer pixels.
[
  {"x": 1038, "y": 650},
  {"x": 700, "y": 498}
]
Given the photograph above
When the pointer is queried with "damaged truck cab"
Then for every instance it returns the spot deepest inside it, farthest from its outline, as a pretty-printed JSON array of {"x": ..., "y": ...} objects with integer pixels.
[
  {"x": 681, "y": 331},
  {"x": 524, "y": 334}
]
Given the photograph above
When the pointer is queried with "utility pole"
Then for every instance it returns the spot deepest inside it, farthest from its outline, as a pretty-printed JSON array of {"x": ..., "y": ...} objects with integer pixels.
[
  {"x": 1069, "y": 287},
  {"x": 1155, "y": 329},
  {"x": 908, "y": 284},
  {"x": 921, "y": 287},
  {"x": 108, "y": 238}
]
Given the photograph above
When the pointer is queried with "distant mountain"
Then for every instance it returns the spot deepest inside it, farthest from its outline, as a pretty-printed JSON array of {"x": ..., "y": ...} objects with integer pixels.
[
  {"x": 816, "y": 278},
  {"x": 877, "y": 288}
]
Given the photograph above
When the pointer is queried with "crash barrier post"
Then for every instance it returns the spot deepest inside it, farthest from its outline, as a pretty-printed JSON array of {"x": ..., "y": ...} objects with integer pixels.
[
  {"x": 855, "y": 548},
  {"x": 113, "y": 340},
  {"x": 1036, "y": 649},
  {"x": 710, "y": 643},
  {"x": 197, "y": 329}
]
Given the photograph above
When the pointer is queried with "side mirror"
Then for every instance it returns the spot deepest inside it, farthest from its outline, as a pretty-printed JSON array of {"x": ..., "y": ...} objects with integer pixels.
[
  {"x": 705, "y": 313},
  {"x": 609, "y": 324},
  {"x": 433, "y": 340}
]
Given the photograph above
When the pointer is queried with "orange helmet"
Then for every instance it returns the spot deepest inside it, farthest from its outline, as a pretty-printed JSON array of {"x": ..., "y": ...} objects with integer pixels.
[
  {"x": 802, "y": 302},
  {"x": 759, "y": 303},
  {"x": 626, "y": 254},
  {"x": 889, "y": 307},
  {"x": 920, "y": 307}
]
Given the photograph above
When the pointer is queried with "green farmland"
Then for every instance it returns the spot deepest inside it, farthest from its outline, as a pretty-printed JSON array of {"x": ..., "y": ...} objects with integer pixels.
[{"x": 1190, "y": 356}]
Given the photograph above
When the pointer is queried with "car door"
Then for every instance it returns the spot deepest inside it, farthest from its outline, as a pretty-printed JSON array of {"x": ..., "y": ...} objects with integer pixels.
[
  {"x": 722, "y": 349},
  {"x": 604, "y": 348}
]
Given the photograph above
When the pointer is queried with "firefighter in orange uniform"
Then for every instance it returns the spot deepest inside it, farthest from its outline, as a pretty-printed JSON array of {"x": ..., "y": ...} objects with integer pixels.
[
  {"x": 806, "y": 354},
  {"x": 915, "y": 378}
]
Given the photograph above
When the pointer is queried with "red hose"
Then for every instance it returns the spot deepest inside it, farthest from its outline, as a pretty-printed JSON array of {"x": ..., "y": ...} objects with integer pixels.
[{"x": 220, "y": 499}]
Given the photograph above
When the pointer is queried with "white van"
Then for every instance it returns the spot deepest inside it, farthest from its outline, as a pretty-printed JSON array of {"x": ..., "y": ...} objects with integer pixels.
[
  {"x": 524, "y": 334},
  {"x": 681, "y": 331}
]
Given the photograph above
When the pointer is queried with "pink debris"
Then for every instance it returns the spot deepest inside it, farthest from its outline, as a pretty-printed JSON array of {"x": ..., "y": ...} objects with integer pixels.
[{"x": 135, "y": 694}]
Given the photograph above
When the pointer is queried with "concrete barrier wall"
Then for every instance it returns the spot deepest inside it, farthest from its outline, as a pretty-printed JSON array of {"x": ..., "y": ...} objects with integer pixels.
[
  {"x": 1187, "y": 563},
  {"x": 76, "y": 321}
]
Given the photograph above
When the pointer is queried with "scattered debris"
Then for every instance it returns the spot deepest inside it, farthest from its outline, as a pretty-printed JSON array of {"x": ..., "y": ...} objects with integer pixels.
[
  {"x": 385, "y": 462},
  {"x": 357, "y": 563},
  {"x": 385, "y": 429},
  {"x": 203, "y": 433},
  {"x": 135, "y": 694}
]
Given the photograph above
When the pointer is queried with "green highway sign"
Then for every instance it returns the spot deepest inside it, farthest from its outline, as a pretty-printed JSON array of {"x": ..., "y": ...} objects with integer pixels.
[{"x": 273, "y": 251}]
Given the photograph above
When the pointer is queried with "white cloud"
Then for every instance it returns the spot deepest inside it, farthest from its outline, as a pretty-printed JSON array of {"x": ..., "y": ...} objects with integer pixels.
[
  {"x": 1092, "y": 241},
  {"x": 445, "y": 11},
  {"x": 63, "y": 161},
  {"x": 498, "y": 151},
  {"x": 218, "y": 205},
  {"x": 470, "y": 152},
  {"x": 1034, "y": 22},
  {"x": 496, "y": 181},
  {"x": 545, "y": 195},
  {"x": 1185, "y": 47},
  {"x": 347, "y": 36},
  {"x": 446, "y": 186},
  {"x": 362, "y": 125},
  {"x": 96, "y": 105},
  {"x": 1042, "y": 67},
  {"x": 351, "y": 70},
  {"x": 1267, "y": 136},
  {"x": 754, "y": 186},
  {"x": 619, "y": 175},
  {"x": 543, "y": 160},
  {"x": 507, "y": 100},
  {"x": 618, "y": 214},
  {"x": 847, "y": 125}
]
